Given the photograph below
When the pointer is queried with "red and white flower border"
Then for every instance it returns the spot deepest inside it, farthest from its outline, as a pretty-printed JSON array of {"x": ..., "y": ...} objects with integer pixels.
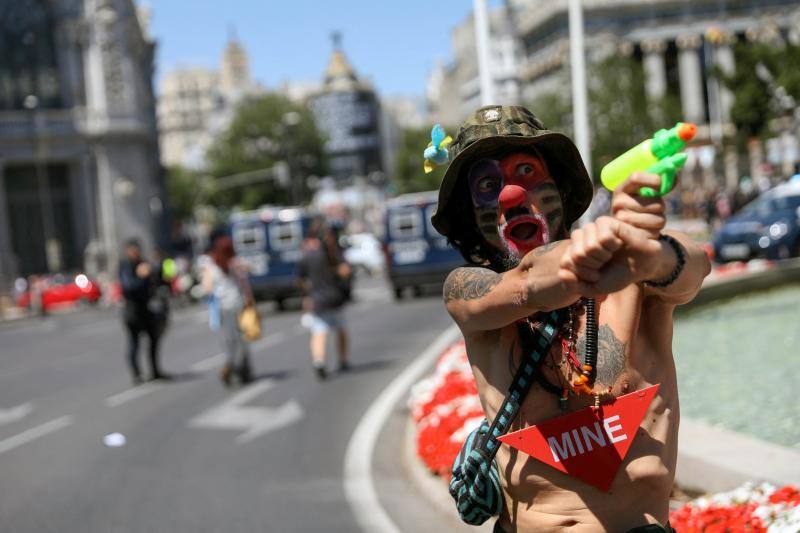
[{"x": 445, "y": 408}]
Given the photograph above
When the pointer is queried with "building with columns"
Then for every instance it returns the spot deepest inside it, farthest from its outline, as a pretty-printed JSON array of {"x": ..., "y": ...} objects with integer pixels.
[
  {"x": 677, "y": 42},
  {"x": 79, "y": 165}
]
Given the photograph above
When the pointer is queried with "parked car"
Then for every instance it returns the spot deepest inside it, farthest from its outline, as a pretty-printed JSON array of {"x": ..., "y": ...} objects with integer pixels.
[
  {"x": 768, "y": 227},
  {"x": 364, "y": 252},
  {"x": 60, "y": 290},
  {"x": 416, "y": 254},
  {"x": 268, "y": 240}
]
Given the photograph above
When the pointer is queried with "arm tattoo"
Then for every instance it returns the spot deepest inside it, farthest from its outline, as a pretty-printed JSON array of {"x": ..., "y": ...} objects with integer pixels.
[
  {"x": 469, "y": 283},
  {"x": 610, "y": 355},
  {"x": 543, "y": 249}
]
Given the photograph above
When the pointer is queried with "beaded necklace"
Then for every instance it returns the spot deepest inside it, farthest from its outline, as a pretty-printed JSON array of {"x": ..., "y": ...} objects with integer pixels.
[
  {"x": 584, "y": 383},
  {"x": 587, "y": 371}
]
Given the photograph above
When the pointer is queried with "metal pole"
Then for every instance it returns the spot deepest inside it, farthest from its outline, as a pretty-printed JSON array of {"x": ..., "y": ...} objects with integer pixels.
[
  {"x": 578, "y": 68},
  {"x": 52, "y": 246},
  {"x": 482, "y": 44}
]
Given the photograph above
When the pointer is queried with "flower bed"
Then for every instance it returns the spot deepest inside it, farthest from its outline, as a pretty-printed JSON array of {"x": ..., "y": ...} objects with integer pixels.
[
  {"x": 751, "y": 507},
  {"x": 445, "y": 408}
]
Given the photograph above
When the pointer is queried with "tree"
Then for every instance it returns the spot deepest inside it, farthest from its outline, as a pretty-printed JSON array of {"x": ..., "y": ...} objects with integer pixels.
[
  {"x": 409, "y": 175},
  {"x": 266, "y": 130},
  {"x": 620, "y": 113},
  {"x": 182, "y": 185},
  {"x": 763, "y": 71}
]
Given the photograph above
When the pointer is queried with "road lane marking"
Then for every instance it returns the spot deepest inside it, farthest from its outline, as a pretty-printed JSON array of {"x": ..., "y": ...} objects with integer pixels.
[
  {"x": 256, "y": 421},
  {"x": 358, "y": 486},
  {"x": 208, "y": 363},
  {"x": 131, "y": 394},
  {"x": 34, "y": 433},
  {"x": 13, "y": 414}
]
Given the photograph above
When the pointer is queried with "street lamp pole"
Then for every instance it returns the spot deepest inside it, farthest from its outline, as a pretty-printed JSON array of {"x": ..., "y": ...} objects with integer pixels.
[
  {"x": 290, "y": 120},
  {"x": 482, "y": 40},
  {"x": 578, "y": 69},
  {"x": 52, "y": 246}
]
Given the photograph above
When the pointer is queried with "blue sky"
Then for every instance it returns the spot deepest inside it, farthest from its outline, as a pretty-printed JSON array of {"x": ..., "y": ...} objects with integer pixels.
[{"x": 394, "y": 43}]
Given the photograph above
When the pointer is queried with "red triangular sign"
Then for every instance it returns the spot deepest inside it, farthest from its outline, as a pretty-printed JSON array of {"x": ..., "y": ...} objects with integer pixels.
[{"x": 589, "y": 444}]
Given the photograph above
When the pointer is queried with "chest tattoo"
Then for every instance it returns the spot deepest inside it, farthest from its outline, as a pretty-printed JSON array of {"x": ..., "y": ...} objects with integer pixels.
[{"x": 610, "y": 355}]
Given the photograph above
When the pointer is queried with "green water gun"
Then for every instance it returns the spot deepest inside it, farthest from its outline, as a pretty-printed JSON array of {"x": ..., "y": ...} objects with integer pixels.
[{"x": 659, "y": 155}]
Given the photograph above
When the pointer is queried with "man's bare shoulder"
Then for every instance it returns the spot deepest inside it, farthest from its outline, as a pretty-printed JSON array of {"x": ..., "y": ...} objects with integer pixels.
[{"x": 469, "y": 283}]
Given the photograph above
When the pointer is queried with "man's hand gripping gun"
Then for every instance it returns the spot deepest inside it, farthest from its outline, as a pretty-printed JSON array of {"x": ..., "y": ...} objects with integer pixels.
[{"x": 660, "y": 155}]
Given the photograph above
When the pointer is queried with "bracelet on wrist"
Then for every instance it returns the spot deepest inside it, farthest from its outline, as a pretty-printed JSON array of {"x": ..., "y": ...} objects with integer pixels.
[{"x": 680, "y": 252}]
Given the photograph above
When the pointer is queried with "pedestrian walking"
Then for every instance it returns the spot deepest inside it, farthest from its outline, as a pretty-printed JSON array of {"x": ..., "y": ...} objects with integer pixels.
[
  {"x": 561, "y": 328},
  {"x": 136, "y": 278},
  {"x": 224, "y": 279},
  {"x": 326, "y": 278}
]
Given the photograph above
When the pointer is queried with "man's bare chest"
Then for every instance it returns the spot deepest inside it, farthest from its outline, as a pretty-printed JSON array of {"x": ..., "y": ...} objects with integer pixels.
[{"x": 558, "y": 371}]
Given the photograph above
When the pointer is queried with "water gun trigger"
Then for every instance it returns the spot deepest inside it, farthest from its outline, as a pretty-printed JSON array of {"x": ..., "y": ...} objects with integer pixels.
[{"x": 668, "y": 169}]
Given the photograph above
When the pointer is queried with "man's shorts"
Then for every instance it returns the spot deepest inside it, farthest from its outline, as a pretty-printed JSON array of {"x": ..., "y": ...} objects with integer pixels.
[{"x": 325, "y": 321}]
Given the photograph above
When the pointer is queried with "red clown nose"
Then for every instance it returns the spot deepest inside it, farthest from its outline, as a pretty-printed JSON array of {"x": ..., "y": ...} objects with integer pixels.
[{"x": 511, "y": 195}]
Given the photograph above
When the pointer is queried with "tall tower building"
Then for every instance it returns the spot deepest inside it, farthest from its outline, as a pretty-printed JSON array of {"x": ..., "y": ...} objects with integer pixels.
[
  {"x": 234, "y": 70},
  {"x": 347, "y": 111}
]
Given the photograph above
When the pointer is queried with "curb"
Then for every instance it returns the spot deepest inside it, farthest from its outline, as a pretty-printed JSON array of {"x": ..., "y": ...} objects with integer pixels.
[
  {"x": 432, "y": 485},
  {"x": 720, "y": 288},
  {"x": 713, "y": 459}
]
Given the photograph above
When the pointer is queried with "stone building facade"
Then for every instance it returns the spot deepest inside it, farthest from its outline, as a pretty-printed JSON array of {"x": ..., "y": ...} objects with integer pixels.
[
  {"x": 195, "y": 104},
  {"x": 79, "y": 165},
  {"x": 454, "y": 89},
  {"x": 679, "y": 43}
]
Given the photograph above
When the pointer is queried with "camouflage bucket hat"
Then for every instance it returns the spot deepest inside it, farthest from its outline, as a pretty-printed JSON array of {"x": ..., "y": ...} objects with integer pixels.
[{"x": 495, "y": 130}]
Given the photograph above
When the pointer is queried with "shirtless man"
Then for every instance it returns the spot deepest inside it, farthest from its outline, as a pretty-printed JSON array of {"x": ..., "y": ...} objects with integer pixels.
[{"x": 509, "y": 196}]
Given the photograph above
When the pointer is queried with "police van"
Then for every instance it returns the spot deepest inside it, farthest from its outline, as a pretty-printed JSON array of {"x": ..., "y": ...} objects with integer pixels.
[
  {"x": 416, "y": 254},
  {"x": 269, "y": 241}
]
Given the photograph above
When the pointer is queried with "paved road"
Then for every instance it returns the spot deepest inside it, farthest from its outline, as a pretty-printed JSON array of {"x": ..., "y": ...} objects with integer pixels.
[{"x": 198, "y": 457}]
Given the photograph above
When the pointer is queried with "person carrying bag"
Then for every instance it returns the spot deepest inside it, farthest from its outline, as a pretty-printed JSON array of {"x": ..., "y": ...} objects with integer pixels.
[{"x": 233, "y": 308}]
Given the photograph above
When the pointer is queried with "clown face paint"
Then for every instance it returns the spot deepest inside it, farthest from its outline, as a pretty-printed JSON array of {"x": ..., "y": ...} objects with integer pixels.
[
  {"x": 516, "y": 203},
  {"x": 485, "y": 181}
]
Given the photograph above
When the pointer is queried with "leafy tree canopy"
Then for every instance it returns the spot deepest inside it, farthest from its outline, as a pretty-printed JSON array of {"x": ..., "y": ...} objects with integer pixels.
[
  {"x": 182, "y": 187},
  {"x": 409, "y": 175},
  {"x": 262, "y": 134},
  {"x": 620, "y": 114},
  {"x": 763, "y": 71}
]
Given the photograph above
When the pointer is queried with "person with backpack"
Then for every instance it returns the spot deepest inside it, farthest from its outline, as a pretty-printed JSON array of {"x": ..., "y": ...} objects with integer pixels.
[{"x": 326, "y": 279}]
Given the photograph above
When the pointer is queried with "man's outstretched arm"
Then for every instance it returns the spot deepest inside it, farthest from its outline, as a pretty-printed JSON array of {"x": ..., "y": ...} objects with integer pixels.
[
  {"x": 480, "y": 299},
  {"x": 648, "y": 214}
]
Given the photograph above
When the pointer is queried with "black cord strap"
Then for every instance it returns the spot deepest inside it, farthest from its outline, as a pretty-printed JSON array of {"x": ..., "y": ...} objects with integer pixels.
[
  {"x": 680, "y": 251},
  {"x": 543, "y": 337}
]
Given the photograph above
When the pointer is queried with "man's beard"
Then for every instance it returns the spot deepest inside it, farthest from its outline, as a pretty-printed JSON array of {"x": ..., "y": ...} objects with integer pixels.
[
  {"x": 508, "y": 258},
  {"x": 505, "y": 260}
]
